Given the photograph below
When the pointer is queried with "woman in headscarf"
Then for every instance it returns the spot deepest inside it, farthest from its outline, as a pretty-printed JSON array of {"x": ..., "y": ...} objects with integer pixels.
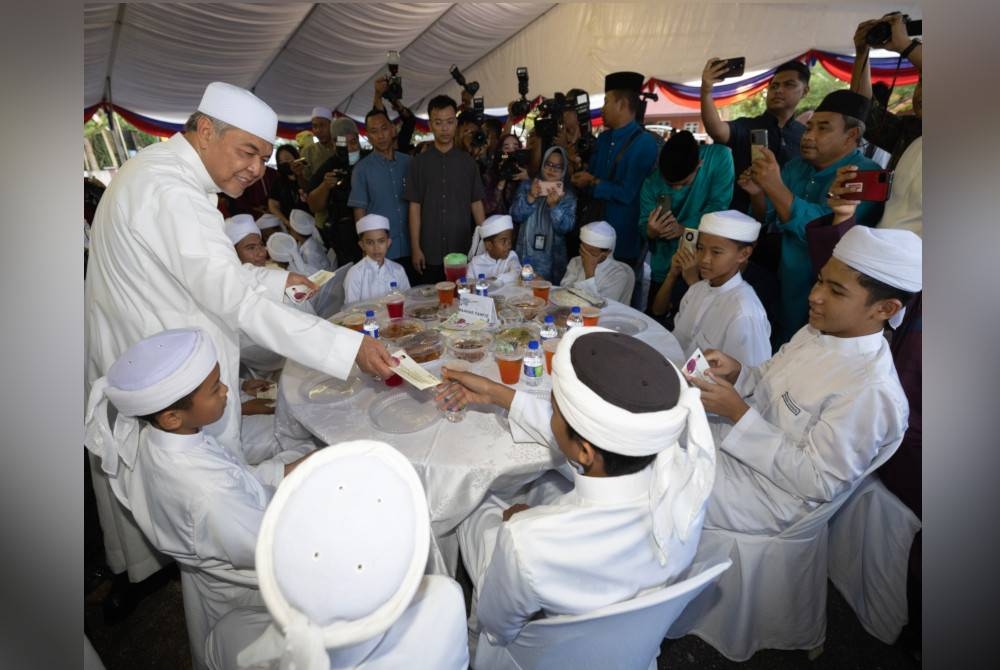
[{"x": 545, "y": 216}]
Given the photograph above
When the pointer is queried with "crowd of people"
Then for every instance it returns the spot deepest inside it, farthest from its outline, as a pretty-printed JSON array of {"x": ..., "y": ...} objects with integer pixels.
[{"x": 804, "y": 299}]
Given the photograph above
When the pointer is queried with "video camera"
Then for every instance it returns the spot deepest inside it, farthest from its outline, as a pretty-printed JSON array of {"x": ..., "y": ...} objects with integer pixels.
[
  {"x": 879, "y": 34},
  {"x": 470, "y": 87},
  {"x": 521, "y": 107},
  {"x": 394, "y": 92}
]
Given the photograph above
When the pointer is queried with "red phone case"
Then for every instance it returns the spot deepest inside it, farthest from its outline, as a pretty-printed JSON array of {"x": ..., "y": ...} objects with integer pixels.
[{"x": 874, "y": 186}]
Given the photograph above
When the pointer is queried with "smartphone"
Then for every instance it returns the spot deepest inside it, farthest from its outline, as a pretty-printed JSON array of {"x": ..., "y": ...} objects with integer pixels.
[
  {"x": 870, "y": 185},
  {"x": 664, "y": 203},
  {"x": 758, "y": 139},
  {"x": 689, "y": 239},
  {"x": 547, "y": 187},
  {"x": 734, "y": 67}
]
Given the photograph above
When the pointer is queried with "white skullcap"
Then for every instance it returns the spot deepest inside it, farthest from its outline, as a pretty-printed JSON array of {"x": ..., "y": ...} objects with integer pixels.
[
  {"x": 341, "y": 551},
  {"x": 682, "y": 478},
  {"x": 599, "y": 234},
  {"x": 496, "y": 224},
  {"x": 283, "y": 248},
  {"x": 241, "y": 108},
  {"x": 371, "y": 222},
  {"x": 891, "y": 256},
  {"x": 302, "y": 222},
  {"x": 150, "y": 376},
  {"x": 268, "y": 221},
  {"x": 239, "y": 226},
  {"x": 730, "y": 224},
  {"x": 322, "y": 113}
]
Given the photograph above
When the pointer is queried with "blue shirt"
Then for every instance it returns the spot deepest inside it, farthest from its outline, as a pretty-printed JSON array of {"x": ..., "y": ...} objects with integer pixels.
[
  {"x": 621, "y": 196},
  {"x": 377, "y": 187},
  {"x": 796, "y": 273}
]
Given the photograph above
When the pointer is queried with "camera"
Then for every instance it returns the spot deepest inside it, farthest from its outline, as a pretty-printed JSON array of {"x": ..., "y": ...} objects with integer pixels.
[
  {"x": 394, "y": 92},
  {"x": 470, "y": 87},
  {"x": 521, "y": 107},
  {"x": 511, "y": 163},
  {"x": 879, "y": 34}
]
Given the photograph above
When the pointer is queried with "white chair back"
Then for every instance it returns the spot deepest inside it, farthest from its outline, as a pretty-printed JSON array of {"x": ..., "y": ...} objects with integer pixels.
[{"x": 625, "y": 635}]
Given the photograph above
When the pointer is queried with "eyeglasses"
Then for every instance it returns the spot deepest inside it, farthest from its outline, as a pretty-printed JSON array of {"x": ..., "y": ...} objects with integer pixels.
[{"x": 553, "y": 166}]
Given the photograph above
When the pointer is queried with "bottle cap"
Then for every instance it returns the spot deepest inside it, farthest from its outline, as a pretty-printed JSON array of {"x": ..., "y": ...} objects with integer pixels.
[
  {"x": 369, "y": 313},
  {"x": 533, "y": 344},
  {"x": 482, "y": 276},
  {"x": 550, "y": 319},
  {"x": 393, "y": 284},
  {"x": 575, "y": 310}
]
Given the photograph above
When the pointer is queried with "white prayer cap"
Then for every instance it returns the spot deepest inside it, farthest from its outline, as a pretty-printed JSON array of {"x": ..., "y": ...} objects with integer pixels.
[
  {"x": 599, "y": 234},
  {"x": 241, "y": 108},
  {"x": 730, "y": 224},
  {"x": 371, "y": 222},
  {"x": 496, "y": 224},
  {"x": 283, "y": 248},
  {"x": 322, "y": 113},
  {"x": 302, "y": 222},
  {"x": 341, "y": 551},
  {"x": 150, "y": 376},
  {"x": 889, "y": 255},
  {"x": 613, "y": 390},
  {"x": 239, "y": 226},
  {"x": 268, "y": 221}
]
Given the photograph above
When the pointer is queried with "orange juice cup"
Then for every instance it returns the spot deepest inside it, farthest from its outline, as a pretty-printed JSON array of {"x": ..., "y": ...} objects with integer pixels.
[
  {"x": 355, "y": 322},
  {"x": 591, "y": 315},
  {"x": 549, "y": 347},
  {"x": 540, "y": 288},
  {"x": 509, "y": 363},
  {"x": 446, "y": 292}
]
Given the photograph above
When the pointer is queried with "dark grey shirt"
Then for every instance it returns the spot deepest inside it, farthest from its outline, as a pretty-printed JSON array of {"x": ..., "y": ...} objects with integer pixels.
[{"x": 445, "y": 185}]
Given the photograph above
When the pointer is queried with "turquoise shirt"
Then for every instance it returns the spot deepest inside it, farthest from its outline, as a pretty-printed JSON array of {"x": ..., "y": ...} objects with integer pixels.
[
  {"x": 795, "y": 271},
  {"x": 711, "y": 191}
]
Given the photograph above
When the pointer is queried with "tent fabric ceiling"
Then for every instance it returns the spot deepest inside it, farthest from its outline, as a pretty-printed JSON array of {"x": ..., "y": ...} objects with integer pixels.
[{"x": 158, "y": 58}]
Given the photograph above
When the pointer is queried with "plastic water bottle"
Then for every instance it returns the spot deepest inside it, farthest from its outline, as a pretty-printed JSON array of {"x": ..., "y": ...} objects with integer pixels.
[
  {"x": 482, "y": 288},
  {"x": 549, "y": 329},
  {"x": 533, "y": 361},
  {"x": 574, "y": 319},
  {"x": 371, "y": 325},
  {"x": 463, "y": 286},
  {"x": 527, "y": 272}
]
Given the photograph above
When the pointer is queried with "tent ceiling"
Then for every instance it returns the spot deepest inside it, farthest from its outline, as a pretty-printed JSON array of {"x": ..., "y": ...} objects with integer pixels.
[{"x": 159, "y": 57}]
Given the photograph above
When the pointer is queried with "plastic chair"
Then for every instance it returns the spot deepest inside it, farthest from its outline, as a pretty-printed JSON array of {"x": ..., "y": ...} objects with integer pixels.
[
  {"x": 775, "y": 597},
  {"x": 870, "y": 539},
  {"x": 624, "y": 635}
]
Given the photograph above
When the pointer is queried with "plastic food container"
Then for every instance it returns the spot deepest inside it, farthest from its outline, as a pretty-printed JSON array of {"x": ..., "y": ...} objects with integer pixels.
[
  {"x": 394, "y": 330},
  {"x": 528, "y": 305},
  {"x": 471, "y": 347},
  {"x": 425, "y": 310},
  {"x": 424, "y": 346},
  {"x": 516, "y": 336}
]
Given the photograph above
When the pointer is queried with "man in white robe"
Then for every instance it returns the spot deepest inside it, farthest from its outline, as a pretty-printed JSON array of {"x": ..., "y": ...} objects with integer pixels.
[
  {"x": 801, "y": 429},
  {"x": 160, "y": 259},
  {"x": 595, "y": 270}
]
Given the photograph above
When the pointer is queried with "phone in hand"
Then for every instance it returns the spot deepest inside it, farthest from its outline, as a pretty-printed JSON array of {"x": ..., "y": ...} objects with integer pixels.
[
  {"x": 870, "y": 185},
  {"x": 758, "y": 139},
  {"x": 734, "y": 67},
  {"x": 664, "y": 202},
  {"x": 689, "y": 239},
  {"x": 547, "y": 187}
]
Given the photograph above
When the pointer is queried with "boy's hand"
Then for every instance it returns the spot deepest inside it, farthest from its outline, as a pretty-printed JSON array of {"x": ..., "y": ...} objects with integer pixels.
[
  {"x": 467, "y": 388},
  {"x": 257, "y": 406},
  {"x": 252, "y": 386},
  {"x": 514, "y": 509},
  {"x": 723, "y": 365},
  {"x": 719, "y": 397},
  {"x": 374, "y": 359}
]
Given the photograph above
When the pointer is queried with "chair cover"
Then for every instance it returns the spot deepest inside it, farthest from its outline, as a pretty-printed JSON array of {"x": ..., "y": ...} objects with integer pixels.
[
  {"x": 775, "y": 596},
  {"x": 870, "y": 539},
  {"x": 624, "y": 635},
  {"x": 330, "y": 298}
]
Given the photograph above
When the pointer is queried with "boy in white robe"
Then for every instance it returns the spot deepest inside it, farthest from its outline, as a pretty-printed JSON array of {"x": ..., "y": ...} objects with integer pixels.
[
  {"x": 721, "y": 311},
  {"x": 335, "y": 604},
  {"x": 269, "y": 224},
  {"x": 499, "y": 261},
  {"x": 802, "y": 428},
  {"x": 595, "y": 270},
  {"x": 633, "y": 519},
  {"x": 371, "y": 277},
  {"x": 302, "y": 227},
  {"x": 193, "y": 500}
]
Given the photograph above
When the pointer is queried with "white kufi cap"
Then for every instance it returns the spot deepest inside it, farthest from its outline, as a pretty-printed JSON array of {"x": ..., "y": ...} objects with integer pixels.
[
  {"x": 239, "y": 226},
  {"x": 283, "y": 248},
  {"x": 266, "y": 221},
  {"x": 496, "y": 224},
  {"x": 241, "y": 108},
  {"x": 599, "y": 234},
  {"x": 892, "y": 256},
  {"x": 302, "y": 222},
  {"x": 321, "y": 113},
  {"x": 371, "y": 222},
  {"x": 730, "y": 224}
]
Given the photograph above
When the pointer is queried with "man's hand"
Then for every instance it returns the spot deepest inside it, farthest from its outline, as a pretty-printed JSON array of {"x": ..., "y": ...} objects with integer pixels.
[
  {"x": 330, "y": 179},
  {"x": 466, "y": 99},
  {"x": 843, "y": 209},
  {"x": 746, "y": 183},
  {"x": 765, "y": 171},
  {"x": 712, "y": 73},
  {"x": 860, "y": 46},
  {"x": 514, "y": 509},
  {"x": 375, "y": 359},
  {"x": 898, "y": 40},
  {"x": 582, "y": 179},
  {"x": 418, "y": 260},
  {"x": 295, "y": 278},
  {"x": 381, "y": 85},
  {"x": 723, "y": 365},
  {"x": 258, "y": 406},
  {"x": 253, "y": 386},
  {"x": 719, "y": 397}
]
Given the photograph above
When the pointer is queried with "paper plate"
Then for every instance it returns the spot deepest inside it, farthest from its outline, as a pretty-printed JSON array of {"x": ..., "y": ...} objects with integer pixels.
[
  {"x": 330, "y": 389},
  {"x": 625, "y": 325},
  {"x": 400, "y": 412}
]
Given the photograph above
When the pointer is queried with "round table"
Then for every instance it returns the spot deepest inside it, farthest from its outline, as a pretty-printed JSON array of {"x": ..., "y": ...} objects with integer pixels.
[{"x": 459, "y": 463}]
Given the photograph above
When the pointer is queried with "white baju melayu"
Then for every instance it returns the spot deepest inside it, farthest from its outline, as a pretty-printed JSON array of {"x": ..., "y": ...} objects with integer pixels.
[
  {"x": 820, "y": 412},
  {"x": 367, "y": 281},
  {"x": 430, "y": 634},
  {"x": 507, "y": 271},
  {"x": 612, "y": 279},
  {"x": 589, "y": 548},
  {"x": 202, "y": 506},
  {"x": 905, "y": 206},
  {"x": 729, "y": 318},
  {"x": 314, "y": 253},
  {"x": 160, "y": 259}
]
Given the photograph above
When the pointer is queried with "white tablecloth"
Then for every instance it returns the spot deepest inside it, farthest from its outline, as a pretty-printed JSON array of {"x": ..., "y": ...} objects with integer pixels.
[{"x": 457, "y": 462}]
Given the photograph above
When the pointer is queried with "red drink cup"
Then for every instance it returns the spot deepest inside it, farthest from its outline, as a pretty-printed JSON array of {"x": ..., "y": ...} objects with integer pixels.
[
  {"x": 395, "y": 308},
  {"x": 509, "y": 364},
  {"x": 455, "y": 272},
  {"x": 591, "y": 315},
  {"x": 394, "y": 380},
  {"x": 540, "y": 288},
  {"x": 446, "y": 292},
  {"x": 549, "y": 347}
]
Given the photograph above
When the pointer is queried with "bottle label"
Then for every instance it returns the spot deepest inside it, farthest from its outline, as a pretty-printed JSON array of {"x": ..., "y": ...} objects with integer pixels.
[
  {"x": 371, "y": 330},
  {"x": 532, "y": 370}
]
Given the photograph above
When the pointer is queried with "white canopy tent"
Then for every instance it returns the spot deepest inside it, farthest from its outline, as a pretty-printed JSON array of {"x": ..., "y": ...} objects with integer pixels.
[{"x": 155, "y": 59}]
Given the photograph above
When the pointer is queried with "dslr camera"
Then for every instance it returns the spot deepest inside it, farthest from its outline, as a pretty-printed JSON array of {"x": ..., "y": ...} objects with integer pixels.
[
  {"x": 549, "y": 118},
  {"x": 470, "y": 87},
  {"x": 394, "y": 93},
  {"x": 521, "y": 107},
  {"x": 879, "y": 34},
  {"x": 511, "y": 163}
]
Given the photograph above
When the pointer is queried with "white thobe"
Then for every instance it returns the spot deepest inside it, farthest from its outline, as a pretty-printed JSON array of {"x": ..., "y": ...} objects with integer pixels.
[
  {"x": 367, "y": 280},
  {"x": 820, "y": 412},
  {"x": 589, "y": 548},
  {"x": 160, "y": 259},
  {"x": 201, "y": 505},
  {"x": 612, "y": 279},
  {"x": 729, "y": 318},
  {"x": 430, "y": 633},
  {"x": 506, "y": 271},
  {"x": 905, "y": 206},
  {"x": 314, "y": 253}
]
